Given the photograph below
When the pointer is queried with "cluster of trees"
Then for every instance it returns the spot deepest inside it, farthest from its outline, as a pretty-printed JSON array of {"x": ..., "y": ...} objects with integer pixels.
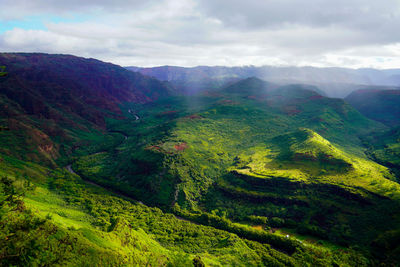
[
  {"x": 29, "y": 240},
  {"x": 282, "y": 243},
  {"x": 2, "y": 71},
  {"x": 177, "y": 234}
]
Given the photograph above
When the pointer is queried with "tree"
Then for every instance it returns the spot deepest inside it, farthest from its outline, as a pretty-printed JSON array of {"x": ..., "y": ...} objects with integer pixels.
[{"x": 197, "y": 262}]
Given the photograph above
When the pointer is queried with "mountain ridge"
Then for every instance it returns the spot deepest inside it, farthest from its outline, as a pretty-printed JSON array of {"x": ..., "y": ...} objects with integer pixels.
[
  {"x": 48, "y": 96},
  {"x": 336, "y": 82}
]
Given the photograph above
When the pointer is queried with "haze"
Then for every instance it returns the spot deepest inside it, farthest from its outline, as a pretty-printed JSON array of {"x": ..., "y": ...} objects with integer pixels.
[{"x": 355, "y": 34}]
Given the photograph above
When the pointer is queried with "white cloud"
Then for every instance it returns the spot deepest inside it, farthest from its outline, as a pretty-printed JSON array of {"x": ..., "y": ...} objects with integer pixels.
[{"x": 350, "y": 33}]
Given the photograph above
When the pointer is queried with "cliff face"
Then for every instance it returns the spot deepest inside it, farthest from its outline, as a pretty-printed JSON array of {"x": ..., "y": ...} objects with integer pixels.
[
  {"x": 53, "y": 94},
  {"x": 46, "y": 85}
]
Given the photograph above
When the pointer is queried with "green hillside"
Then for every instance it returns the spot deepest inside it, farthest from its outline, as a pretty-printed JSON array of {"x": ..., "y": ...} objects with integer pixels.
[
  {"x": 52, "y": 217},
  {"x": 251, "y": 174},
  {"x": 378, "y": 104},
  {"x": 245, "y": 158},
  {"x": 385, "y": 148}
]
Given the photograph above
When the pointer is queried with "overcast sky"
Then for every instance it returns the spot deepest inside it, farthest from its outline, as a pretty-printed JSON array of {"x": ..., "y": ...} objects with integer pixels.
[{"x": 345, "y": 33}]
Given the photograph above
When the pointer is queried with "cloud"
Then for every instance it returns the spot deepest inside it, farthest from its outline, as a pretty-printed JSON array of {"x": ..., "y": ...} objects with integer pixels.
[
  {"x": 16, "y": 9},
  {"x": 349, "y": 33},
  {"x": 358, "y": 14}
]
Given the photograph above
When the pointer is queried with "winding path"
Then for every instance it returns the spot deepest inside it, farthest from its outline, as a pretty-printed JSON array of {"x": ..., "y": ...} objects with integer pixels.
[
  {"x": 136, "y": 116},
  {"x": 70, "y": 170}
]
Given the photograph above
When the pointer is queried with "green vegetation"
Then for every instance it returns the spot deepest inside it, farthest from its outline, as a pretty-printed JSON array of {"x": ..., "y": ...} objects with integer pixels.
[
  {"x": 54, "y": 218},
  {"x": 380, "y": 104},
  {"x": 2, "y": 71},
  {"x": 235, "y": 159},
  {"x": 249, "y": 175},
  {"x": 385, "y": 148}
]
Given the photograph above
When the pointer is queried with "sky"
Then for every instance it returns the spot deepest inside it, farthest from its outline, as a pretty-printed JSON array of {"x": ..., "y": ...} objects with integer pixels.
[{"x": 322, "y": 33}]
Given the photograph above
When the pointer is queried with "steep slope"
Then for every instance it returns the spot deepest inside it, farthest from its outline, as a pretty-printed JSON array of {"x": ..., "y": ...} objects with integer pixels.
[
  {"x": 258, "y": 175},
  {"x": 304, "y": 155},
  {"x": 41, "y": 82},
  {"x": 49, "y": 100},
  {"x": 380, "y": 105},
  {"x": 385, "y": 148},
  {"x": 49, "y": 216},
  {"x": 53, "y": 218},
  {"x": 285, "y": 159},
  {"x": 247, "y": 110}
]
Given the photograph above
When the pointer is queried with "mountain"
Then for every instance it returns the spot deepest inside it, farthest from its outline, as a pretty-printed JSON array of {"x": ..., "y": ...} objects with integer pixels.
[
  {"x": 250, "y": 152},
  {"x": 383, "y": 106},
  {"x": 38, "y": 81},
  {"x": 102, "y": 166},
  {"x": 335, "y": 82},
  {"x": 48, "y": 97},
  {"x": 380, "y": 105}
]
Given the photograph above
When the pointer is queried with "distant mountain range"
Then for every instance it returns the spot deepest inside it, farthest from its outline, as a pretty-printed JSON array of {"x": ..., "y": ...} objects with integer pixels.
[{"x": 336, "y": 82}]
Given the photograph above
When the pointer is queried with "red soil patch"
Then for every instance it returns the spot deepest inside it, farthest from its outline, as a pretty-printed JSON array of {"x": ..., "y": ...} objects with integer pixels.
[
  {"x": 154, "y": 147},
  {"x": 257, "y": 227},
  {"x": 194, "y": 117},
  {"x": 181, "y": 146},
  {"x": 227, "y": 102},
  {"x": 261, "y": 97}
]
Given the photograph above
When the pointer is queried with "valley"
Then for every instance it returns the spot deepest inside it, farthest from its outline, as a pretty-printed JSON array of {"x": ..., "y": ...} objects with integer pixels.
[{"x": 102, "y": 166}]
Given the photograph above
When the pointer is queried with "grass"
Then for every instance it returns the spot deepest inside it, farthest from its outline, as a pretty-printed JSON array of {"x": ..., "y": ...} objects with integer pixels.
[
  {"x": 306, "y": 156},
  {"x": 293, "y": 158},
  {"x": 323, "y": 166}
]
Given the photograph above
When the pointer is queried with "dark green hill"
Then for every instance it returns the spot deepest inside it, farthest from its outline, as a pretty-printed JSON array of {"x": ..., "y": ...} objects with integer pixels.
[
  {"x": 379, "y": 105},
  {"x": 252, "y": 86},
  {"x": 385, "y": 148}
]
